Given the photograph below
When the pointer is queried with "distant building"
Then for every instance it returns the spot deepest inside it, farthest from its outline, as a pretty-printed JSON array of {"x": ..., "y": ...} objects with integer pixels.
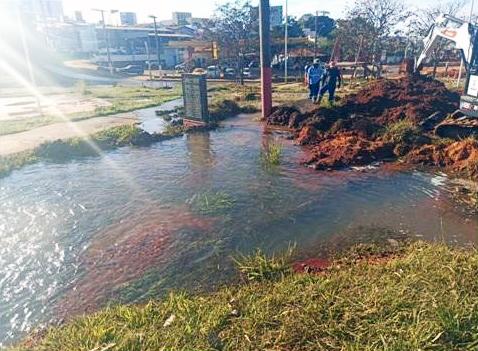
[
  {"x": 128, "y": 19},
  {"x": 77, "y": 38},
  {"x": 79, "y": 17},
  {"x": 276, "y": 15},
  {"x": 43, "y": 10},
  {"x": 182, "y": 18}
]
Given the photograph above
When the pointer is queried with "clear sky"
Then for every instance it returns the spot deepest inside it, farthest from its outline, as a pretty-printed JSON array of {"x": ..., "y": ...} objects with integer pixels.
[{"x": 205, "y": 8}]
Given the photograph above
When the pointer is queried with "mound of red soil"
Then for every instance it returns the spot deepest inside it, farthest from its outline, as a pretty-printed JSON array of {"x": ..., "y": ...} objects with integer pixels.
[
  {"x": 351, "y": 134},
  {"x": 380, "y": 103},
  {"x": 412, "y": 97},
  {"x": 347, "y": 149},
  {"x": 459, "y": 157}
]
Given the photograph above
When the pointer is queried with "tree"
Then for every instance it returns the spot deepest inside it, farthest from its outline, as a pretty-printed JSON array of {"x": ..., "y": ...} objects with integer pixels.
[
  {"x": 380, "y": 18},
  {"x": 294, "y": 29},
  {"x": 422, "y": 21},
  {"x": 354, "y": 35},
  {"x": 325, "y": 24},
  {"x": 235, "y": 29}
]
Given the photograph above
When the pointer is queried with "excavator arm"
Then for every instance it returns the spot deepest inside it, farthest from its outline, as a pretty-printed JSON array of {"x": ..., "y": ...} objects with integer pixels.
[{"x": 450, "y": 28}]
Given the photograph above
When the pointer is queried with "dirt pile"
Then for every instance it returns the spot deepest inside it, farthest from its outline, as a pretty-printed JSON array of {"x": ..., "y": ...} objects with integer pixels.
[
  {"x": 380, "y": 103},
  {"x": 460, "y": 157},
  {"x": 341, "y": 150},
  {"x": 381, "y": 121}
]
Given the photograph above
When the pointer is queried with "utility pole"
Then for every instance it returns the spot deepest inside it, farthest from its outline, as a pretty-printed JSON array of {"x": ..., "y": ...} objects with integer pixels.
[
  {"x": 107, "y": 37},
  {"x": 157, "y": 43},
  {"x": 266, "y": 71},
  {"x": 286, "y": 41},
  {"x": 316, "y": 34},
  {"x": 149, "y": 60}
]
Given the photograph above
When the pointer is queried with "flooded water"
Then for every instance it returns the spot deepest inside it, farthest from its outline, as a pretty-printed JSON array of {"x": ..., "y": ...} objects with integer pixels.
[{"x": 127, "y": 227}]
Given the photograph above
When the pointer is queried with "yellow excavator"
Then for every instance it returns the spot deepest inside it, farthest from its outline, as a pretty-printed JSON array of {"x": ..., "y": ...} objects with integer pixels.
[{"x": 464, "y": 122}]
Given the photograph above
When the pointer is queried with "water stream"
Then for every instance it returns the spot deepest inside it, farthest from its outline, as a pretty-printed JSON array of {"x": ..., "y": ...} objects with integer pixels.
[{"x": 122, "y": 227}]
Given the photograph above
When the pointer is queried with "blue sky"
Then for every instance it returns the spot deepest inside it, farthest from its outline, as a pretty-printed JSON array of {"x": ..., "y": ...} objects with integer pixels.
[{"x": 204, "y": 8}]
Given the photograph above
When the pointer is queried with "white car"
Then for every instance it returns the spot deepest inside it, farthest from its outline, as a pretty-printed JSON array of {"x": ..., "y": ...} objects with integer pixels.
[{"x": 213, "y": 72}]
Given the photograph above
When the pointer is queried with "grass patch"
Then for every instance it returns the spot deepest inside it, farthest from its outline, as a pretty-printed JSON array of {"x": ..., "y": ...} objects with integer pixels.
[
  {"x": 211, "y": 203},
  {"x": 271, "y": 153},
  {"x": 425, "y": 299},
  {"x": 16, "y": 161},
  {"x": 403, "y": 131},
  {"x": 259, "y": 267}
]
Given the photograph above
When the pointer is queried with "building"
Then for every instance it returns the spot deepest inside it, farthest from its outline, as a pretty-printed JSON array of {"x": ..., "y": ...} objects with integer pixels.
[
  {"x": 77, "y": 38},
  {"x": 182, "y": 18},
  {"x": 138, "y": 45},
  {"x": 276, "y": 15},
  {"x": 128, "y": 19},
  {"x": 43, "y": 10},
  {"x": 79, "y": 17}
]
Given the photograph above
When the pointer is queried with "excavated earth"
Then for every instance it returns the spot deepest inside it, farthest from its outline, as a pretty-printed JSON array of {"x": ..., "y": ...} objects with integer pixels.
[{"x": 381, "y": 122}]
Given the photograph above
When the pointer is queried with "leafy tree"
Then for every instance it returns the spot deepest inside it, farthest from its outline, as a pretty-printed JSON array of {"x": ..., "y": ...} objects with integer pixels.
[
  {"x": 355, "y": 38},
  {"x": 235, "y": 29},
  {"x": 325, "y": 24},
  {"x": 380, "y": 18}
]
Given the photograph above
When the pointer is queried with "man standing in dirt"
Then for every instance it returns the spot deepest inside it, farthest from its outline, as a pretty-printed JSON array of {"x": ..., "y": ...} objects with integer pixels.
[
  {"x": 314, "y": 77},
  {"x": 331, "y": 80}
]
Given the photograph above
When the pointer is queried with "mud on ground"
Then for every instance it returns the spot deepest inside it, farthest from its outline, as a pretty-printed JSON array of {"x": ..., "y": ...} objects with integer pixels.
[{"x": 381, "y": 122}]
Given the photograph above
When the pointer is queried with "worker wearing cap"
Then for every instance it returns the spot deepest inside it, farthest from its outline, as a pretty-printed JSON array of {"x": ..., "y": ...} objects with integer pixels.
[
  {"x": 331, "y": 80},
  {"x": 314, "y": 77}
]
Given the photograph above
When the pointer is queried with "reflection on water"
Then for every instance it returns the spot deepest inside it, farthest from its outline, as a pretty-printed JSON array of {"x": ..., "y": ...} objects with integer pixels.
[{"x": 75, "y": 236}]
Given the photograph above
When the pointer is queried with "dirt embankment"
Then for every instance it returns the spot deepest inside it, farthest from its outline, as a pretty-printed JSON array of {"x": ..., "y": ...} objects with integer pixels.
[{"x": 381, "y": 122}]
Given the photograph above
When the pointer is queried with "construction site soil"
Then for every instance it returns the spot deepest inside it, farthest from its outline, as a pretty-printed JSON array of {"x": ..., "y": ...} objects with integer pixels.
[{"x": 381, "y": 122}]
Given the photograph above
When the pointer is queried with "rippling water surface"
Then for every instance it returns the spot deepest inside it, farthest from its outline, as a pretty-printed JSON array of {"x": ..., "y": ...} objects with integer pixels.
[{"x": 75, "y": 236}]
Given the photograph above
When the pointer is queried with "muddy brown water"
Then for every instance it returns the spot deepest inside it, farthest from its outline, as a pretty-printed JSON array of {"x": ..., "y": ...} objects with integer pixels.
[{"x": 121, "y": 227}]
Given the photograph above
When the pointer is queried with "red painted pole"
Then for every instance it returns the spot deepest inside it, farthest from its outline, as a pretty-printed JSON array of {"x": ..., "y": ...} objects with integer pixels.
[{"x": 266, "y": 70}]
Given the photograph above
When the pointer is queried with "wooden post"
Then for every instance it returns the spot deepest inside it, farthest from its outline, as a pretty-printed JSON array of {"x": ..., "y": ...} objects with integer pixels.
[{"x": 266, "y": 70}]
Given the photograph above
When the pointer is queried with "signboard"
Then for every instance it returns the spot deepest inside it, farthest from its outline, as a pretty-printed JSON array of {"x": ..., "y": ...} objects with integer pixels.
[
  {"x": 473, "y": 86},
  {"x": 195, "y": 98}
]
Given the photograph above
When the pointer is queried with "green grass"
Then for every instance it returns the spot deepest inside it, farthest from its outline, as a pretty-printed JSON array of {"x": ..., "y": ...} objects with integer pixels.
[
  {"x": 16, "y": 161},
  {"x": 403, "y": 131},
  {"x": 271, "y": 153},
  {"x": 424, "y": 299},
  {"x": 210, "y": 203},
  {"x": 260, "y": 267}
]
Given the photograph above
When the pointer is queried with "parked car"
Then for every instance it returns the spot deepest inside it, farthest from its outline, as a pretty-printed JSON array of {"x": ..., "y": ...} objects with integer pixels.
[
  {"x": 213, "y": 72},
  {"x": 229, "y": 73},
  {"x": 131, "y": 69},
  {"x": 181, "y": 68},
  {"x": 247, "y": 73},
  {"x": 199, "y": 71}
]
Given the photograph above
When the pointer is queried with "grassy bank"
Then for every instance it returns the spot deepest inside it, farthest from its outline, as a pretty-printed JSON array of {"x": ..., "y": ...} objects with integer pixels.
[
  {"x": 64, "y": 150},
  {"x": 121, "y": 99},
  {"x": 425, "y": 298}
]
